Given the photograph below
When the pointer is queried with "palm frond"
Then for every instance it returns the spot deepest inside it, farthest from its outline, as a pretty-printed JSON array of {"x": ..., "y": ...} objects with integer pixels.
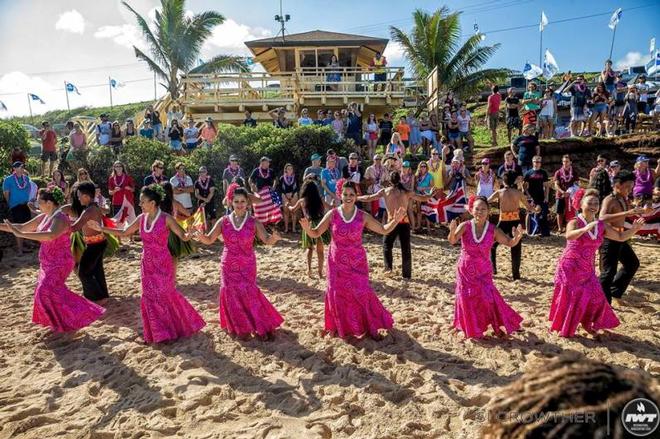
[
  {"x": 153, "y": 65},
  {"x": 154, "y": 46},
  {"x": 222, "y": 63}
]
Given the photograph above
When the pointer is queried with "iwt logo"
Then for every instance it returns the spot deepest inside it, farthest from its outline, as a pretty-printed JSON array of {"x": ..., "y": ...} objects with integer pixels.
[{"x": 640, "y": 417}]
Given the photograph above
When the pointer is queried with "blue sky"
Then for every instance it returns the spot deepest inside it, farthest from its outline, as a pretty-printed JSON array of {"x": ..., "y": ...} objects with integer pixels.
[{"x": 84, "y": 42}]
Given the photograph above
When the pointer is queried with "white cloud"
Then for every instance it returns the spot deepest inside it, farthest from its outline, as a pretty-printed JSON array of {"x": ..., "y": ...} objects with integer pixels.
[
  {"x": 14, "y": 87},
  {"x": 126, "y": 35},
  {"x": 394, "y": 53},
  {"x": 71, "y": 21},
  {"x": 632, "y": 59},
  {"x": 229, "y": 38}
]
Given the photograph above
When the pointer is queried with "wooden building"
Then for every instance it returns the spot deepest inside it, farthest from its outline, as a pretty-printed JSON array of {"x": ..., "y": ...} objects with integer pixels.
[{"x": 294, "y": 75}]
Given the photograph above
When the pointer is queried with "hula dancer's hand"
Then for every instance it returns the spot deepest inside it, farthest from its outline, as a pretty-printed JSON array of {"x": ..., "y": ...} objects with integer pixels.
[
  {"x": 453, "y": 225},
  {"x": 399, "y": 214},
  {"x": 518, "y": 234},
  {"x": 304, "y": 223},
  {"x": 637, "y": 225},
  {"x": 12, "y": 228},
  {"x": 94, "y": 226}
]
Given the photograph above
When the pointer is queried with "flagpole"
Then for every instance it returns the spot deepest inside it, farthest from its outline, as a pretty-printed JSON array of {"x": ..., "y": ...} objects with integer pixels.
[
  {"x": 110, "y": 88},
  {"x": 612, "y": 45},
  {"x": 30, "y": 107},
  {"x": 541, "y": 51},
  {"x": 66, "y": 93},
  {"x": 155, "y": 95}
]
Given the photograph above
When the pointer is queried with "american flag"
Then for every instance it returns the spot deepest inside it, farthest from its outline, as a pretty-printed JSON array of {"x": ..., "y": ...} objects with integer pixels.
[
  {"x": 268, "y": 210},
  {"x": 446, "y": 208}
]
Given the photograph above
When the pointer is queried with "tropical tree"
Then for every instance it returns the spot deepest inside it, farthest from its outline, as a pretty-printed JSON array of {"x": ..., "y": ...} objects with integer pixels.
[
  {"x": 176, "y": 41},
  {"x": 435, "y": 42}
]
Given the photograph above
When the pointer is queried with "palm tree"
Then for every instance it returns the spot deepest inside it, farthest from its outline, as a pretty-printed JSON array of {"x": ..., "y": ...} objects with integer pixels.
[
  {"x": 176, "y": 41},
  {"x": 434, "y": 41}
]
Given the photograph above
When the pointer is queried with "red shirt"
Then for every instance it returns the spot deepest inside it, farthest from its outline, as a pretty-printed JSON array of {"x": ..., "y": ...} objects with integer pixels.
[
  {"x": 49, "y": 141},
  {"x": 121, "y": 182},
  {"x": 494, "y": 101}
]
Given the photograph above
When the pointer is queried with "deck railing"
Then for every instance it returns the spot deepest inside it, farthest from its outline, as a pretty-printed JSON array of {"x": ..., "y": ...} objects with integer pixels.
[{"x": 290, "y": 87}]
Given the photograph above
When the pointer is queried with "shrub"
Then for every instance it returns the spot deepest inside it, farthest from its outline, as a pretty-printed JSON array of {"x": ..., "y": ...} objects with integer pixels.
[
  {"x": 12, "y": 134},
  {"x": 139, "y": 153}
]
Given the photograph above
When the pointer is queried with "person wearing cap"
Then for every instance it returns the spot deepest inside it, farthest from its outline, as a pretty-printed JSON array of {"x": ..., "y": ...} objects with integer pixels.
[
  {"x": 614, "y": 211},
  {"x": 16, "y": 190},
  {"x": 397, "y": 198},
  {"x": 129, "y": 129},
  {"x": 204, "y": 192},
  {"x": 644, "y": 179},
  {"x": 103, "y": 131},
  {"x": 537, "y": 188},
  {"x": 527, "y": 146},
  {"x": 249, "y": 121},
  {"x": 208, "y": 133},
  {"x": 182, "y": 186},
  {"x": 232, "y": 171},
  {"x": 486, "y": 180},
  {"x": 374, "y": 178},
  {"x": 613, "y": 169},
  {"x": 315, "y": 168},
  {"x": 601, "y": 165},
  {"x": 580, "y": 94},
  {"x": 630, "y": 108},
  {"x": 48, "y": 148},
  {"x": 156, "y": 176},
  {"x": 341, "y": 162},
  {"x": 262, "y": 182},
  {"x": 147, "y": 131},
  {"x": 330, "y": 175},
  {"x": 191, "y": 136}
]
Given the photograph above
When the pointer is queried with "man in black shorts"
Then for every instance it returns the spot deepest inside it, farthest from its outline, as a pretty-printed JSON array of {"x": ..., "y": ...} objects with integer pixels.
[{"x": 512, "y": 116}]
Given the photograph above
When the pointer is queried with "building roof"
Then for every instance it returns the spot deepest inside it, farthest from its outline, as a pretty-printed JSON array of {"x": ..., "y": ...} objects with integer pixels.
[{"x": 317, "y": 38}]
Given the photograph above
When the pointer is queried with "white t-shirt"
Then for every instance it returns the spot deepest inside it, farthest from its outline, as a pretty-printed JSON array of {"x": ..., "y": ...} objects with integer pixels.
[
  {"x": 548, "y": 108},
  {"x": 643, "y": 92},
  {"x": 464, "y": 122},
  {"x": 185, "y": 199}
]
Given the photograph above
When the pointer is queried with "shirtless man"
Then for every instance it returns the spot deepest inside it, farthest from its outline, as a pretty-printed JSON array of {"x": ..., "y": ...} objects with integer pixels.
[
  {"x": 396, "y": 196},
  {"x": 614, "y": 212},
  {"x": 510, "y": 200},
  {"x": 90, "y": 267}
]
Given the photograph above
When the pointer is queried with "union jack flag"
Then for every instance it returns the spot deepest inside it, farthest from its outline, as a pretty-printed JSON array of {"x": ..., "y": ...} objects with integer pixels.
[{"x": 446, "y": 208}]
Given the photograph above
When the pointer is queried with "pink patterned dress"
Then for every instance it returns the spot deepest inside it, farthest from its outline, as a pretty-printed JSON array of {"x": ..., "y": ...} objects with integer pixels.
[
  {"x": 166, "y": 314},
  {"x": 55, "y": 305},
  {"x": 478, "y": 303},
  {"x": 351, "y": 306},
  {"x": 578, "y": 296},
  {"x": 244, "y": 309}
]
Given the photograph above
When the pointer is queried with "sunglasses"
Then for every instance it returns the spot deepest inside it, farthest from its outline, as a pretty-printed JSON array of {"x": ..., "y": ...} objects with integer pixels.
[{"x": 83, "y": 173}]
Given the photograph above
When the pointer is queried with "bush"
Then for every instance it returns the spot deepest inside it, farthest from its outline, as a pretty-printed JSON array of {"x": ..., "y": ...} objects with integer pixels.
[
  {"x": 139, "y": 153},
  {"x": 12, "y": 134}
]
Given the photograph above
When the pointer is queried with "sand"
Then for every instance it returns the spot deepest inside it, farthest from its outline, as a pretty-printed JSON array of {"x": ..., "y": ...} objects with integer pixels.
[{"x": 423, "y": 380}]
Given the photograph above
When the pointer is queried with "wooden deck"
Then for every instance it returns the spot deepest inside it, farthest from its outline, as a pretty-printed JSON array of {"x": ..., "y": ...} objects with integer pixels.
[{"x": 226, "y": 96}]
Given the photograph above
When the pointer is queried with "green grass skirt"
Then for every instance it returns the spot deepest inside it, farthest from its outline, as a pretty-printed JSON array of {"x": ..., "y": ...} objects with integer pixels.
[
  {"x": 78, "y": 245},
  {"x": 307, "y": 242}
]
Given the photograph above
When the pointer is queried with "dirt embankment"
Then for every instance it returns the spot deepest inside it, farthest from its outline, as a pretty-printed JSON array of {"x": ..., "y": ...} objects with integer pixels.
[{"x": 583, "y": 152}]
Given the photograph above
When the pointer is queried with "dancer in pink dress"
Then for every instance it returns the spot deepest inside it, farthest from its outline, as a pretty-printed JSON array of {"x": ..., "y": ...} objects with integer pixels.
[
  {"x": 166, "y": 314},
  {"x": 478, "y": 303},
  {"x": 244, "y": 309},
  {"x": 578, "y": 296},
  {"x": 55, "y": 305},
  {"x": 352, "y": 309}
]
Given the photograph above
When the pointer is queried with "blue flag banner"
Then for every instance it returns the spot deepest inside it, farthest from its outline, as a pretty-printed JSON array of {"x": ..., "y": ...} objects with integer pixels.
[
  {"x": 114, "y": 83},
  {"x": 36, "y": 98},
  {"x": 614, "y": 19},
  {"x": 72, "y": 88}
]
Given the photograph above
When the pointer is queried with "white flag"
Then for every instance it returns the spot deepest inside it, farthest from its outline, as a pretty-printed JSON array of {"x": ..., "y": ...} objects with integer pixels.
[
  {"x": 614, "y": 19},
  {"x": 652, "y": 46},
  {"x": 531, "y": 71},
  {"x": 550, "y": 67},
  {"x": 544, "y": 22}
]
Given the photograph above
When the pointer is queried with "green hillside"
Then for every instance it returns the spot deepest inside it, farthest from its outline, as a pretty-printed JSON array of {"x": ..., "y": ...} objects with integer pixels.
[{"x": 117, "y": 112}]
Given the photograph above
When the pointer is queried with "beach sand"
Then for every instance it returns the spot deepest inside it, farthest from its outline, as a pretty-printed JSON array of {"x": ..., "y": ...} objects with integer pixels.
[{"x": 422, "y": 380}]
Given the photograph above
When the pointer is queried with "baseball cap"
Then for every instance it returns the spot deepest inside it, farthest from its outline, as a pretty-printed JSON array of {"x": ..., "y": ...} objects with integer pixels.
[
  {"x": 103, "y": 115},
  {"x": 315, "y": 156},
  {"x": 614, "y": 163},
  {"x": 642, "y": 158},
  {"x": 485, "y": 161},
  {"x": 406, "y": 164},
  {"x": 233, "y": 158},
  {"x": 353, "y": 155},
  {"x": 377, "y": 157},
  {"x": 264, "y": 159},
  {"x": 17, "y": 164},
  {"x": 209, "y": 119},
  {"x": 203, "y": 169}
]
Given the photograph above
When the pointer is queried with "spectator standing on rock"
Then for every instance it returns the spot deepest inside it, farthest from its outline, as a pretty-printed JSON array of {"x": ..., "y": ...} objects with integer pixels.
[
  {"x": 512, "y": 115},
  {"x": 528, "y": 146},
  {"x": 48, "y": 148},
  {"x": 494, "y": 101}
]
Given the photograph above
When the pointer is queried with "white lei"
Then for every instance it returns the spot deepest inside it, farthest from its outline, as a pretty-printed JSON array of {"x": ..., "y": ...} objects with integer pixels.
[
  {"x": 153, "y": 223},
  {"x": 232, "y": 217},
  {"x": 341, "y": 213},
  {"x": 473, "y": 223},
  {"x": 593, "y": 234}
]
